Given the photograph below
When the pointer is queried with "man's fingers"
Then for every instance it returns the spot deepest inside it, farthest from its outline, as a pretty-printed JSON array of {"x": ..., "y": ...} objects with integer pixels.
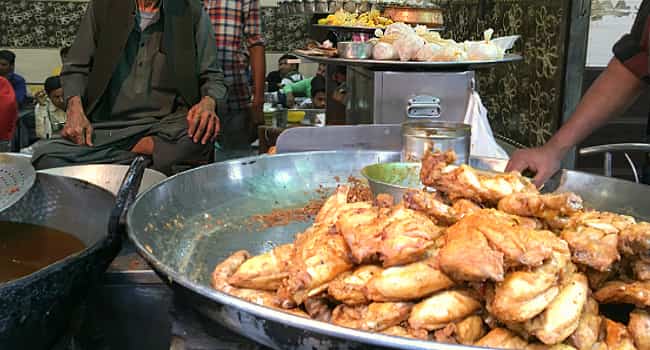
[
  {"x": 217, "y": 128},
  {"x": 208, "y": 130},
  {"x": 89, "y": 135},
  {"x": 516, "y": 164},
  {"x": 192, "y": 122},
  {"x": 203, "y": 122},
  {"x": 540, "y": 178}
]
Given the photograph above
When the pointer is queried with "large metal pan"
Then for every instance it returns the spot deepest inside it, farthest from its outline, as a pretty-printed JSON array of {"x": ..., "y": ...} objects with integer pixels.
[
  {"x": 188, "y": 223},
  {"x": 36, "y": 309}
]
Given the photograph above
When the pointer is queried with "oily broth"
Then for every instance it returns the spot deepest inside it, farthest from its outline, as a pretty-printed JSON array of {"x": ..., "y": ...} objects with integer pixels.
[{"x": 26, "y": 248}]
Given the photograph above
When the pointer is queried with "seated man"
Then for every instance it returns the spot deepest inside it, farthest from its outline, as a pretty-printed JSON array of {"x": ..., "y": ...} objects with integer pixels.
[
  {"x": 140, "y": 78},
  {"x": 287, "y": 73},
  {"x": 318, "y": 93},
  {"x": 49, "y": 113},
  {"x": 301, "y": 88},
  {"x": 7, "y": 67}
]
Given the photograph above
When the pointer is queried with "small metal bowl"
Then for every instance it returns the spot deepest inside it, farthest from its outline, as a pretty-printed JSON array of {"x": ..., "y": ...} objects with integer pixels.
[
  {"x": 354, "y": 50},
  {"x": 392, "y": 178}
]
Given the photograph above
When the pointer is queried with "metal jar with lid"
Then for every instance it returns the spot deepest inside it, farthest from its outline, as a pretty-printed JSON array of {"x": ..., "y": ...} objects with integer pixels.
[{"x": 424, "y": 132}]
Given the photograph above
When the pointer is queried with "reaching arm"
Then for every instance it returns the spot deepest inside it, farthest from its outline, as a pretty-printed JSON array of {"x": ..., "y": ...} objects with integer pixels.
[{"x": 612, "y": 93}]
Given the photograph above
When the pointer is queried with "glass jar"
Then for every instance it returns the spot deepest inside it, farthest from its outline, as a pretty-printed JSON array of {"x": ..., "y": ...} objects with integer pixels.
[{"x": 420, "y": 136}]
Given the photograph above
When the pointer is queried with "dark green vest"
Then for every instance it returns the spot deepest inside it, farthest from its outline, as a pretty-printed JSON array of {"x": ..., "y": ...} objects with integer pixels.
[{"x": 115, "y": 19}]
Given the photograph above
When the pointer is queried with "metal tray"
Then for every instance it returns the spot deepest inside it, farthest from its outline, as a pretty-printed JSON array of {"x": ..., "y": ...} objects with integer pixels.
[
  {"x": 355, "y": 29},
  {"x": 188, "y": 223},
  {"x": 399, "y": 65}
]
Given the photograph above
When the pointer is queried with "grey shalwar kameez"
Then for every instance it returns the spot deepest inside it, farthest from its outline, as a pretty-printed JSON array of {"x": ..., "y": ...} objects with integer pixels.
[{"x": 148, "y": 92}]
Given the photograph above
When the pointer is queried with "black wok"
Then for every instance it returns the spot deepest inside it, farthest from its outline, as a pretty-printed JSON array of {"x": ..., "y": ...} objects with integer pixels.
[{"x": 36, "y": 309}]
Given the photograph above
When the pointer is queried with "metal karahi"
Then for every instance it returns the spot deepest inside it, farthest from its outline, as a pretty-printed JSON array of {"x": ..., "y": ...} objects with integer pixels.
[{"x": 184, "y": 230}]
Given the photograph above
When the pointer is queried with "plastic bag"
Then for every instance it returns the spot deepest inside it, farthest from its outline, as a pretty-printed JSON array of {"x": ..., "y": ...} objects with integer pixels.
[{"x": 482, "y": 142}]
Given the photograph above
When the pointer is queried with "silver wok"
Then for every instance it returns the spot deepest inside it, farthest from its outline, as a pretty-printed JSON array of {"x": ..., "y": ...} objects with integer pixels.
[{"x": 188, "y": 223}]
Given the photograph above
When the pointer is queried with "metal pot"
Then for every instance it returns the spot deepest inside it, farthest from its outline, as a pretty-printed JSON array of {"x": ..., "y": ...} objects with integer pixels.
[
  {"x": 422, "y": 136},
  {"x": 36, "y": 309}
]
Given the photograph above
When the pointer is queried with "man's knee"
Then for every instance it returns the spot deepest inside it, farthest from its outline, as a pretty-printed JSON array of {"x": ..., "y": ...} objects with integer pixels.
[
  {"x": 48, "y": 162},
  {"x": 184, "y": 153}
]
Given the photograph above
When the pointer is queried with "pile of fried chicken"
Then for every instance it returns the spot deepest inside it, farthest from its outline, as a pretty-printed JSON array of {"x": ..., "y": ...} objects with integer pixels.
[{"x": 484, "y": 260}]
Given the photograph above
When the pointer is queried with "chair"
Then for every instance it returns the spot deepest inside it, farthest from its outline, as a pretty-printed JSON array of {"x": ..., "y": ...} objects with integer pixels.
[{"x": 608, "y": 149}]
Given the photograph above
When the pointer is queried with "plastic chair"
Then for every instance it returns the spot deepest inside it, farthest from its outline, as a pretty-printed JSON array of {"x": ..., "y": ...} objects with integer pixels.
[{"x": 608, "y": 149}]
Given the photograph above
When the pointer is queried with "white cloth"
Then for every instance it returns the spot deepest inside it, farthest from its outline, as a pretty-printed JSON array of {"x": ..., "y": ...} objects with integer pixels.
[{"x": 482, "y": 142}]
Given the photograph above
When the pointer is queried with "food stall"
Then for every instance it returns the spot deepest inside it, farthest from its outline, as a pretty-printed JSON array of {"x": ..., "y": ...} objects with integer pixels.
[{"x": 163, "y": 291}]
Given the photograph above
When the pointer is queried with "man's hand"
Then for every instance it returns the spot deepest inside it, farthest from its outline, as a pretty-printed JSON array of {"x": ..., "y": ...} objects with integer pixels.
[
  {"x": 77, "y": 127},
  {"x": 257, "y": 111},
  {"x": 544, "y": 161},
  {"x": 202, "y": 121}
]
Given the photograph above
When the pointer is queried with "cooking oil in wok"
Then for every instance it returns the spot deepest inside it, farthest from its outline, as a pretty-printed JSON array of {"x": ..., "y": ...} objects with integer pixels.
[{"x": 26, "y": 248}]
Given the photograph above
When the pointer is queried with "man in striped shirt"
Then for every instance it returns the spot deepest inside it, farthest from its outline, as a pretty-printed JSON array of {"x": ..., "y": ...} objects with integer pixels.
[{"x": 240, "y": 48}]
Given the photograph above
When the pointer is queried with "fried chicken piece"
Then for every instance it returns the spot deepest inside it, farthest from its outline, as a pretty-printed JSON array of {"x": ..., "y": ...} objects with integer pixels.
[
  {"x": 549, "y": 347},
  {"x": 375, "y": 317},
  {"x": 503, "y": 339},
  {"x": 617, "y": 336},
  {"x": 226, "y": 268},
  {"x": 259, "y": 297},
  {"x": 635, "y": 240},
  {"x": 396, "y": 236},
  {"x": 588, "y": 331},
  {"x": 478, "y": 246},
  {"x": 521, "y": 245},
  {"x": 639, "y": 328},
  {"x": 328, "y": 213},
  {"x": 562, "y": 316},
  {"x": 636, "y": 293},
  {"x": 384, "y": 200},
  {"x": 446, "y": 334},
  {"x": 641, "y": 268},
  {"x": 405, "y": 332},
  {"x": 318, "y": 308},
  {"x": 265, "y": 271},
  {"x": 525, "y": 294},
  {"x": 466, "y": 182},
  {"x": 470, "y": 330},
  {"x": 553, "y": 208},
  {"x": 507, "y": 308},
  {"x": 593, "y": 238},
  {"x": 464, "y": 207},
  {"x": 598, "y": 278},
  {"x": 348, "y": 287},
  {"x": 431, "y": 204},
  {"x": 408, "y": 282},
  {"x": 406, "y": 237},
  {"x": 467, "y": 254},
  {"x": 443, "y": 308},
  {"x": 362, "y": 230},
  {"x": 337, "y": 204},
  {"x": 319, "y": 256},
  {"x": 223, "y": 271}
]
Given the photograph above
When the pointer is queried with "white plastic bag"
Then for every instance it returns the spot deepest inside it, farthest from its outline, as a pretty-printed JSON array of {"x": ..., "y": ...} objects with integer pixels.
[{"x": 482, "y": 142}]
